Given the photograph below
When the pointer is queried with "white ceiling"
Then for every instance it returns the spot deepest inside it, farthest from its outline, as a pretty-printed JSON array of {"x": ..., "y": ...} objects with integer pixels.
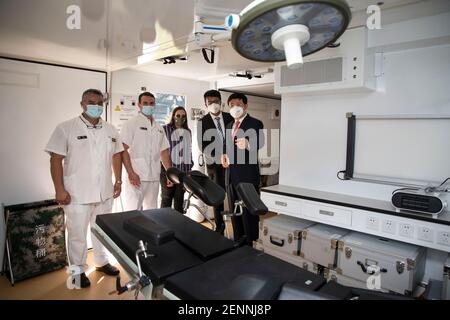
[{"x": 115, "y": 33}]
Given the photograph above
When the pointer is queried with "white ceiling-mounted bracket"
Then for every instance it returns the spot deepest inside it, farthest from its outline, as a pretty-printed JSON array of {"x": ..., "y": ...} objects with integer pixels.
[
  {"x": 206, "y": 35},
  {"x": 291, "y": 39}
]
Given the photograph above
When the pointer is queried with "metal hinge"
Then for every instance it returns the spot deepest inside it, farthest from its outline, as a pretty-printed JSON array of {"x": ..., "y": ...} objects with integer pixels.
[
  {"x": 340, "y": 245},
  {"x": 297, "y": 234},
  {"x": 302, "y": 255},
  {"x": 304, "y": 234},
  {"x": 290, "y": 238},
  {"x": 334, "y": 244},
  {"x": 339, "y": 270},
  {"x": 411, "y": 264},
  {"x": 266, "y": 231}
]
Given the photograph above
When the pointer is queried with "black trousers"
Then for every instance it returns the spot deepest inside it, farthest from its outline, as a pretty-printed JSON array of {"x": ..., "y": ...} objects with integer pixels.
[
  {"x": 217, "y": 174},
  {"x": 174, "y": 194},
  {"x": 246, "y": 224}
]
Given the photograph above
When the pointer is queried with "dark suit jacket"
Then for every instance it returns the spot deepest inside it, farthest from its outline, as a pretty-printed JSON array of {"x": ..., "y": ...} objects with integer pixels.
[
  {"x": 207, "y": 123},
  {"x": 244, "y": 164}
]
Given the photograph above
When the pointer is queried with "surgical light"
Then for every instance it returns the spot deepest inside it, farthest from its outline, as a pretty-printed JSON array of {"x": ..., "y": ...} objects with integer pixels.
[{"x": 278, "y": 30}]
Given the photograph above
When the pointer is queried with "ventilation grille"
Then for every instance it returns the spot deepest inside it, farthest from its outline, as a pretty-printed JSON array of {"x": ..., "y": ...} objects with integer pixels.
[
  {"x": 418, "y": 203},
  {"x": 313, "y": 72},
  {"x": 415, "y": 203}
]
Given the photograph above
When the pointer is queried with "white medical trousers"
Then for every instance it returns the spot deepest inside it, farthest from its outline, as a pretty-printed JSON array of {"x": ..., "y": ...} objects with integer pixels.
[
  {"x": 143, "y": 198},
  {"x": 78, "y": 217}
]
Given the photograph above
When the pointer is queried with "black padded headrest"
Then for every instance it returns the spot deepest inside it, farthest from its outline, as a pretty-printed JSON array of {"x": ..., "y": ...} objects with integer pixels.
[
  {"x": 247, "y": 193},
  {"x": 252, "y": 287},
  {"x": 146, "y": 230},
  {"x": 175, "y": 176},
  {"x": 204, "y": 188}
]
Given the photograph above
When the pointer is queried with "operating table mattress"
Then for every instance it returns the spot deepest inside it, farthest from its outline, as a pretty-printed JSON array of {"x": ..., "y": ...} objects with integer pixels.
[
  {"x": 214, "y": 280},
  {"x": 173, "y": 256},
  {"x": 170, "y": 257}
]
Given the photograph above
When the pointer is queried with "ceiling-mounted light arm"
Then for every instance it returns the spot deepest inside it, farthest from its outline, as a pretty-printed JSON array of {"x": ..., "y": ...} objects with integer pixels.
[{"x": 206, "y": 35}]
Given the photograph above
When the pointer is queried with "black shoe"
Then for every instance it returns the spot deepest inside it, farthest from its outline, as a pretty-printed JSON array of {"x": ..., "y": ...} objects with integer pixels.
[
  {"x": 220, "y": 228},
  {"x": 108, "y": 269},
  {"x": 82, "y": 280}
]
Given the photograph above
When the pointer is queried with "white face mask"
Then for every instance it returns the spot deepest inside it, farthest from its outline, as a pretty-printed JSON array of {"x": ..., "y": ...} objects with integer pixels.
[
  {"x": 237, "y": 112},
  {"x": 214, "y": 108}
]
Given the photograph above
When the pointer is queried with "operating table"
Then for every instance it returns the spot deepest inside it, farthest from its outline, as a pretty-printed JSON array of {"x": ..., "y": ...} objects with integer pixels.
[{"x": 169, "y": 256}]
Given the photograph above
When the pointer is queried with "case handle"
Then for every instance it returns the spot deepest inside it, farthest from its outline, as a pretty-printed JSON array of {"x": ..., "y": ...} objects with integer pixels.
[
  {"x": 364, "y": 269},
  {"x": 276, "y": 241}
]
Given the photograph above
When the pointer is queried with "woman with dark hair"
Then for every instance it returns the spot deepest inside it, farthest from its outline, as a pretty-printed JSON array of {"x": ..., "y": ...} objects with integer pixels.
[{"x": 180, "y": 140}]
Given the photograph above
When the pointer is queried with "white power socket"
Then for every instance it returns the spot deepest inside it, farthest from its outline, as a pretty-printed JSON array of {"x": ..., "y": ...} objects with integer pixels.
[
  {"x": 425, "y": 234},
  {"x": 389, "y": 226},
  {"x": 373, "y": 223},
  {"x": 406, "y": 230},
  {"x": 444, "y": 238}
]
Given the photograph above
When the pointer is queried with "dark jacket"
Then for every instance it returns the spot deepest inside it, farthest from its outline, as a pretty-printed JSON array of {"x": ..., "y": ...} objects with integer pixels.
[
  {"x": 207, "y": 123},
  {"x": 244, "y": 164}
]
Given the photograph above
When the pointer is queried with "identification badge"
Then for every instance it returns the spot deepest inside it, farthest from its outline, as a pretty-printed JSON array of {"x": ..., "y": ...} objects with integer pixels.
[{"x": 82, "y": 137}]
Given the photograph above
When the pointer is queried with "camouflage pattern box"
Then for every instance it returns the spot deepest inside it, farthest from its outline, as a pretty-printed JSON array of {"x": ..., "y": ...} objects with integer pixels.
[{"x": 36, "y": 239}]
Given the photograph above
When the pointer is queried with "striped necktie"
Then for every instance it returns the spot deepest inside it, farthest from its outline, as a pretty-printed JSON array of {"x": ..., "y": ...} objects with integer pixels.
[{"x": 219, "y": 126}]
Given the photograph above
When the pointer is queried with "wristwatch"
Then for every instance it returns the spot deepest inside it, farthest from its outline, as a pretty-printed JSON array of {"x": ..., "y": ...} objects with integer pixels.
[{"x": 119, "y": 182}]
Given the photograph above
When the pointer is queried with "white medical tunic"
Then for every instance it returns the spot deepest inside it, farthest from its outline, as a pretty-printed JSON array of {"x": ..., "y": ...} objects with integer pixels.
[
  {"x": 146, "y": 141},
  {"x": 88, "y": 153}
]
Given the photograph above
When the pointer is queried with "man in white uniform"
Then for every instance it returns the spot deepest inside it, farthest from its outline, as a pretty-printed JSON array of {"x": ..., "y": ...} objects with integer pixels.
[
  {"x": 89, "y": 147},
  {"x": 145, "y": 147}
]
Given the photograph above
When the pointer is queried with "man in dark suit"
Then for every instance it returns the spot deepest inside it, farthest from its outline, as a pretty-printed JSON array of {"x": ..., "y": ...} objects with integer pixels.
[
  {"x": 244, "y": 138},
  {"x": 211, "y": 142}
]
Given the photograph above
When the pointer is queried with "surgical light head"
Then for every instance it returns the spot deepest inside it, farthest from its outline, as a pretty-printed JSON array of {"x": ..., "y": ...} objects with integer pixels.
[{"x": 278, "y": 30}]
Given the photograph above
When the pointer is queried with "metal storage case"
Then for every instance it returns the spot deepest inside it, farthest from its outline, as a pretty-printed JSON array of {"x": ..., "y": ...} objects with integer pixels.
[
  {"x": 320, "y": 243},
  {"x": 401, "y": 266},
  {"x": 446, "y": 281},
  {"x": 283, "y": 233},
  {"x": 295, "y": 260},
  {"x": 333, "y": 275}
]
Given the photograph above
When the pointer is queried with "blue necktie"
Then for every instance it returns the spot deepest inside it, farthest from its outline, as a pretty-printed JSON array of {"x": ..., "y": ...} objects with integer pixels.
[{"x": 220, "y": 128}]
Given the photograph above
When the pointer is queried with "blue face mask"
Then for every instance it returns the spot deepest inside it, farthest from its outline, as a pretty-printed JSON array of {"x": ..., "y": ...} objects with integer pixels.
[
  {"x": 148, "y": 111},
  {"x": 94, "y": 111}
]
